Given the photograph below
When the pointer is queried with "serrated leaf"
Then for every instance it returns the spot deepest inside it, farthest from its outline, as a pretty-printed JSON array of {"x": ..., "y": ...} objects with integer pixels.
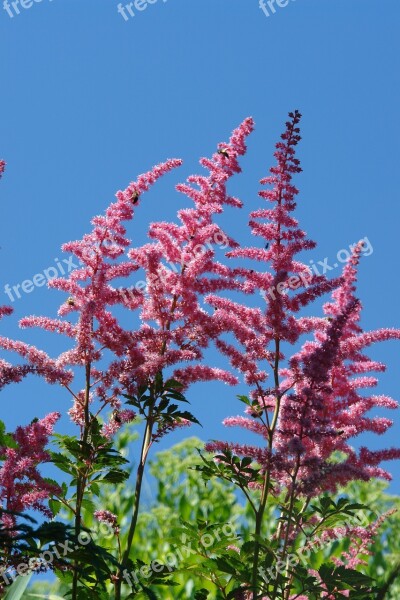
[
  {"x": 115, "y": 476},
  {"x": 244, "y": 399},
  {"x": 55, "y": 506}
]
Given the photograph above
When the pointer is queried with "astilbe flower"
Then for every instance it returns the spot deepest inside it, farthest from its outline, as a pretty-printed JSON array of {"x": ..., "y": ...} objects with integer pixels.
[
  {"x": 11, "y": 373},
  {"x": 167, "y": 427},
  {"x": 289, "y": 285},
  {"x": 107, "y": 517},
  {"x": 360, "y": 539},
  {"x": 317, "y": 398},
  {"x": 178, "y": 265},
  {"x": 38, "y": 362},
  {"x": 285, "y": 288},
  {"x": 91, "y": 295},
  {"x": 21, "y": 485},
  {"x": 316, "y": 403},
  {"x": 329, "y": 406},
  {"x": 118, "y": 418},
  {"x": 173, "y": 328}
]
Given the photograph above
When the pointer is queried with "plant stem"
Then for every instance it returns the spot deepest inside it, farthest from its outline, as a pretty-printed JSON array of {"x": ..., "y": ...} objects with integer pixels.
[
  {"x": 257, "y": 532},
  {"x": 267, "y": 479},
  {"x": 142, "y": 464},
  {"x": 136, "y": 503},
  {"x": 81, "y": 479}
]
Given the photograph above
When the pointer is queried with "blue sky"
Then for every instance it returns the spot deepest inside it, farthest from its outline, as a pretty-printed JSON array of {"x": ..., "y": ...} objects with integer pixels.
[{"x": 89, "y": 100}]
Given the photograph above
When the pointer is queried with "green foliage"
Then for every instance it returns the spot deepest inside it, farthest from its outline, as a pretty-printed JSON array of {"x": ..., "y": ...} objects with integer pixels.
[
  {"x": 180, "y": 527},
  {"x": 17, "y": 589},
  {"x": 385, "y": 550},
  {"x": 96, "y": 452},
  {"x": 175, "y": 490},
  {"x": 231, "y": 468}
]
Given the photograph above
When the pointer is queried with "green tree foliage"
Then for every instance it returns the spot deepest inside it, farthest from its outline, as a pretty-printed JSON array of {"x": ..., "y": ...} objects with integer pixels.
[{"x": 179, "y": 502}]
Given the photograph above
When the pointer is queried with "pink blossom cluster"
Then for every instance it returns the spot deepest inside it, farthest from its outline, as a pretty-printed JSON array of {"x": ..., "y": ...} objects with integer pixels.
[
  {"x": 287, "y": 286},
  {"x": 118, "y": 418},
  {"x": 329, "y": 405},
  {"x": 21, "y": 485},
  {"x": 165, "y": 428},
  {"x": 360, "y": 539},
  {"x": 105, "y": 516},
  {"x": 316, "y": 402},
  {"x": 2, "y": 167},
  {"x": 178, "y": 265},
  {"x": 308, "y": 400},
  {"x": 38, "y": 362},
  {"x": 10, "y": 373}
]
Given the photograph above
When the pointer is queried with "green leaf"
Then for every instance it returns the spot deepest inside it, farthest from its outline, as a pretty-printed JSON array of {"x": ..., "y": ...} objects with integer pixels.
[
  {"x": 173, "y": 383},
  {"x": 18, "y": 588},
  {"x": 88, "y": 505},
  {"x": 245, "y": 400},
  {"x": 225, "y": 566},
  {"x": 187, "y": 415},
  {"x": 150, "y": 594},
  {"x": 55, "y": 507},
  {"x": 95, "y": 489},
  {"x": 115, "y": 476},
  {"x": 347, "y": 578},
  {"x": 201, "y": 594},
  {"x": 63, "y": 463},
  {"x": 163, "y": 404}
]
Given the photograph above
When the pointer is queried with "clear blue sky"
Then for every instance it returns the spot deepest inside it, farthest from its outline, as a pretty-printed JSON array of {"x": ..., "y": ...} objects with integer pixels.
[{"x": 89, "y": 100}]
